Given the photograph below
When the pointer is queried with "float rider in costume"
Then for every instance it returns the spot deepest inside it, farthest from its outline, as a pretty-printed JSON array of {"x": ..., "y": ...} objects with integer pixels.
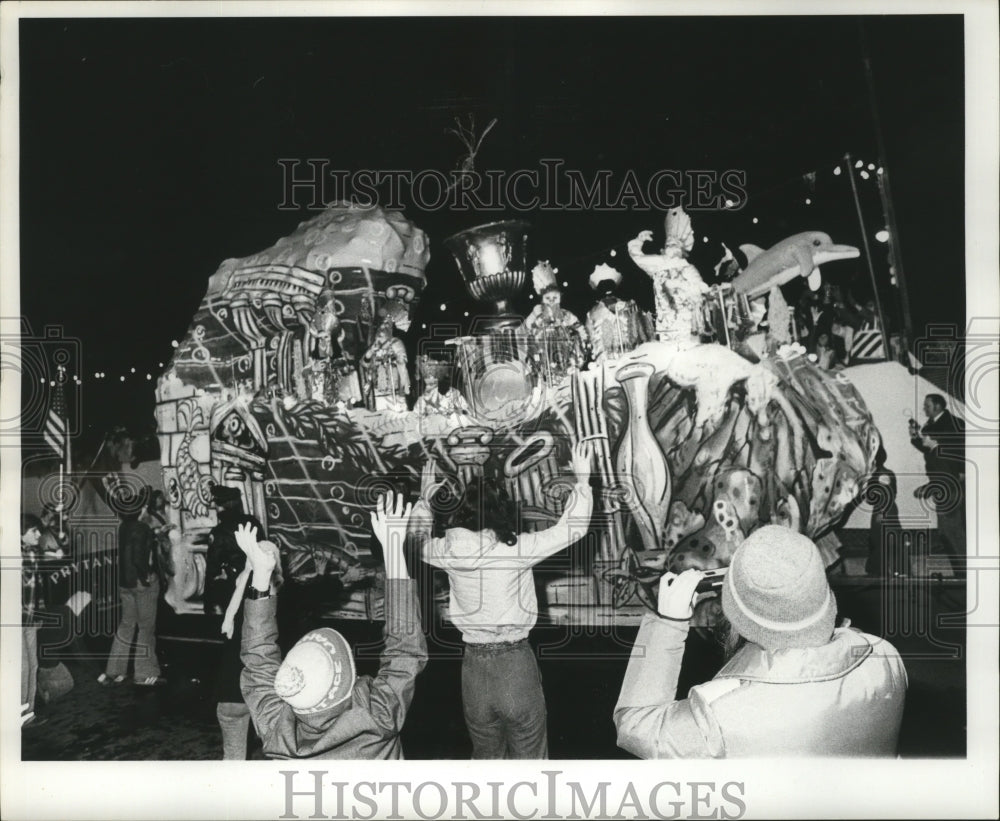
[
  {"x": 677, "y": 286},
  {"x": 614, "y": 326},
  {"x": 558, "y": 340},
  {"x": 386, "y": 381}
]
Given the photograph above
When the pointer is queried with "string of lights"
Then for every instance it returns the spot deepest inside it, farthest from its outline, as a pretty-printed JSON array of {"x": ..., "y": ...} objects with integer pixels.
[{"x": 865, "y": 171}]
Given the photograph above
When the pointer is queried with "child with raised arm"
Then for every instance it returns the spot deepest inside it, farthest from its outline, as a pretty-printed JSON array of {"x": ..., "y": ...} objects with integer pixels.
[
  {"x": 493, "y": 603},
  {"x": 312, "y": 705}
]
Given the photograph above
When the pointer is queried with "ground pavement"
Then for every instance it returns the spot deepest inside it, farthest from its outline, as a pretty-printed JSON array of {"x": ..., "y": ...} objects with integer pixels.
[{"x": 581, "y": 675}]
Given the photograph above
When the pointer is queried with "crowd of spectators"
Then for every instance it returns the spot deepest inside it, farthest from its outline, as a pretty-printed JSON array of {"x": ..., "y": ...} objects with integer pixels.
[{"x": 828, "y": 320}]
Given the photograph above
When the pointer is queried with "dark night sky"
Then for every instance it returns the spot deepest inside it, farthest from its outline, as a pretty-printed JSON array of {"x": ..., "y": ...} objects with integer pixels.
[{"x": 149, "y": 148}]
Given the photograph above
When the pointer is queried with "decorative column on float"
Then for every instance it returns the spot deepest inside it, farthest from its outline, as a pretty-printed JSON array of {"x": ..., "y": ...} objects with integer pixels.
[
  {"x": 239, "y": 452},
  {"x": 641, "y": 465},
  {"x": 591, "y": 424}
]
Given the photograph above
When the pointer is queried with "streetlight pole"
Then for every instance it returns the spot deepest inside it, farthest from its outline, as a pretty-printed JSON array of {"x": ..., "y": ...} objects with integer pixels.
[
  {"x": 885, "y": 194},
  {"x": 868, "y": 254}
]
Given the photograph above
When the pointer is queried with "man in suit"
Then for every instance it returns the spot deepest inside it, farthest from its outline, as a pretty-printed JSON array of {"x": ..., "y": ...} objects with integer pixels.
[{"x": 942, "y": 441}]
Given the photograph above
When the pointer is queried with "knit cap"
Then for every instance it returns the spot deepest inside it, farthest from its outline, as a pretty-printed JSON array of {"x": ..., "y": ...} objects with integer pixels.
[
  {"x": 318, "y": 672},
  {"x": 776, "y": 593}
]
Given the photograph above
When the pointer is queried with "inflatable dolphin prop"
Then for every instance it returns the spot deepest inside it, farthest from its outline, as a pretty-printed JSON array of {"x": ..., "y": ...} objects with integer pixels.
[{"x": 798, "y": 255}]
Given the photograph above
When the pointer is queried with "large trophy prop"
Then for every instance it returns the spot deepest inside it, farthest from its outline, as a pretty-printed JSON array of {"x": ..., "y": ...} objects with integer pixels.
[{"x": 496, "y": 378}]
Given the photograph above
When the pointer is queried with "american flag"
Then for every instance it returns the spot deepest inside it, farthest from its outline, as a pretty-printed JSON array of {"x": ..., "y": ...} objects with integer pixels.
[{"x": 55, "y": 423}]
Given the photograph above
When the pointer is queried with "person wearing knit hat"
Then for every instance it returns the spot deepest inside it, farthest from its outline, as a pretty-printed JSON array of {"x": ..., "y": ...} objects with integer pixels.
[
  {"x": 313, "y": 704},
  {"x": 793, "y": 685},
  {"x": 776, "y": 594}
]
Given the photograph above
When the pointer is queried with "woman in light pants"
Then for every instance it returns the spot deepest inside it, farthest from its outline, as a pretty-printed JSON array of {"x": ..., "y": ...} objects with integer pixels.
[
  {"x": 138, "y": 614},
  {"x": 139, "y": 588}
]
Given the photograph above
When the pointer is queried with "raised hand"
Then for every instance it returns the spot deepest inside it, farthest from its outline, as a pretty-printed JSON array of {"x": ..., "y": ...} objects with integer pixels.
[
  {"x": 389, "y": 522},
  {"x": 261, "y": 561},
  {"x": 581, "y": 458},
  {"x": 390, "y": 517},
  {"x": 635, "y": 245}
]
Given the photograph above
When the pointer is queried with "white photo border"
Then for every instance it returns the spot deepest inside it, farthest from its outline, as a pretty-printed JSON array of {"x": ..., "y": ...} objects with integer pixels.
[{"x": 774, "y": 789}]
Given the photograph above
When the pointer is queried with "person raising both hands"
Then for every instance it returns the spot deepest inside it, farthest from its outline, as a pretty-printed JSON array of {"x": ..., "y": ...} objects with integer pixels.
[
  {"x": 312, "y": 704},
  {"x": 493, "y": 603}
]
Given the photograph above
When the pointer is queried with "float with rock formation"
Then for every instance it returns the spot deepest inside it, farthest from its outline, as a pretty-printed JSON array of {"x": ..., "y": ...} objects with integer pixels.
[{"x": 291, "y": 385}]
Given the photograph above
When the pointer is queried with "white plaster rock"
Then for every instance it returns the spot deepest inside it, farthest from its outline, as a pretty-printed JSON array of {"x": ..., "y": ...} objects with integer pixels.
[{"x": 342, "y": 236}]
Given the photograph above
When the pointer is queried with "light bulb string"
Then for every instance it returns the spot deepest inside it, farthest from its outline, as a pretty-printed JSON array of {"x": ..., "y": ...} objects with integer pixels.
[{"x": 801, "y": 178}]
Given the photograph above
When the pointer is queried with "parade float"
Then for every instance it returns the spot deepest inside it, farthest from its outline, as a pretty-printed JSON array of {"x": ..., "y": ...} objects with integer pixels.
[{"x": 291, "y": 383}]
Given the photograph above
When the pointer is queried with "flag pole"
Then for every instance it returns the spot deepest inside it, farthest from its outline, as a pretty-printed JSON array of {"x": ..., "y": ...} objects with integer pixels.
[
  {"x": 68, "y": 456},
  {"x": 69, "y": 474},
  {"x": 62, "y": 531},
  {"x": 64, "y": 462}
]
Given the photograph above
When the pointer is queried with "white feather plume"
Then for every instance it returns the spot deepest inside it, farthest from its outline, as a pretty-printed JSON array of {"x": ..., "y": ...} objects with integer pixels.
[
  {"x": 679, "y": 232},
  {"x": 542, "y": 276}
]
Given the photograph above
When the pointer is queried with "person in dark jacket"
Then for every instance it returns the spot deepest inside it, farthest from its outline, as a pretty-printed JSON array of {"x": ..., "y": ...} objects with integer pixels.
[
  {"x": 942, "y": 442},
  {"x": 941, "y": 439},
  {"x": 225, "y": 566},
  {"x": 312, "y": 704},
  {"x": 139, "y": 587},
  {"x": 55, "y": 540},
  {"x": 887, "y": 543},
  {"x": 50, "y": 614},
  {"x": 31, "y": 603}
]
